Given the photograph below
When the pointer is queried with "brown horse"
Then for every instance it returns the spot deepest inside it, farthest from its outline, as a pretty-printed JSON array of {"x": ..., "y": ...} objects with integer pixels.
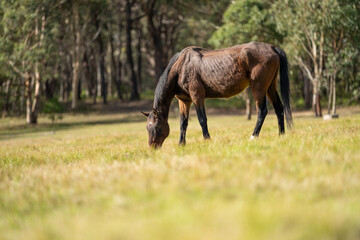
[{"x": 197, "y": 73}]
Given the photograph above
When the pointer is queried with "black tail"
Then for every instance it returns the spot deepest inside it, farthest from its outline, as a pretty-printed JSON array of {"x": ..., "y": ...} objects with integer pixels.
[{"x": 285, "y": 85}]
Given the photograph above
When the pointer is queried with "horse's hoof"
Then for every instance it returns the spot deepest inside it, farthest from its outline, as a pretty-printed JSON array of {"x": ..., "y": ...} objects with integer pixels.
[{"x": 252, "y": 137}]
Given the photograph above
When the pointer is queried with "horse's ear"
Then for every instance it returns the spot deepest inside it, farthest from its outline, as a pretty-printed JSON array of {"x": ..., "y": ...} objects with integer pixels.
[{"x": 145, "y": 114}]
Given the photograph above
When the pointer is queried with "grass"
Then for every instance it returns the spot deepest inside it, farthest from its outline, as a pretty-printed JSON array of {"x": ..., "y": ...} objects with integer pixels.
[{"x": 93, "y": 177}]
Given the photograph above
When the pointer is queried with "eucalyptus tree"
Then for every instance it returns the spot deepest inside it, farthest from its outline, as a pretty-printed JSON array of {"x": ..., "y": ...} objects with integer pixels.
[
  {"x": 25, "y": 33},
  {"x": 317, "y": 33},
  {"x": 343, "y": 36},
  {"x": 163, "y": 21},
  {"x": 245, "y": 21}
]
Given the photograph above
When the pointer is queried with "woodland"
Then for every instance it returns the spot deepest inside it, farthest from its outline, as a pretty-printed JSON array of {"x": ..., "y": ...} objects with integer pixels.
[{"x": 56, "y": 55}]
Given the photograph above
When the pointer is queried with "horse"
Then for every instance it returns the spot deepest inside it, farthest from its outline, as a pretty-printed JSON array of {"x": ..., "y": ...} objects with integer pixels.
[{"x": 197, "y": 73}]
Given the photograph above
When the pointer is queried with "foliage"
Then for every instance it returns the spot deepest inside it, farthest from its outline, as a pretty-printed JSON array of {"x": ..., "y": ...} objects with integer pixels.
[
  {"x": 203, "y": 18},
  {"x": 318, "y": 36},
  {"x": 54, "y": 109},
  {"x": 42, "y": 40},
  {"x": 52, "y": 106},
  {"x": 245, "y": 21}
]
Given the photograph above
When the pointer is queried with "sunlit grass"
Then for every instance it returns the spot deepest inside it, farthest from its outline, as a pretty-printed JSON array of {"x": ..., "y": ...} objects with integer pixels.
[{"x": 97, "y": 179}]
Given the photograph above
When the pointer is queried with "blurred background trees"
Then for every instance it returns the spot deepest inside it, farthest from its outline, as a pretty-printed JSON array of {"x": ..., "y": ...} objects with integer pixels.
[{"x": 77, "y": 51}]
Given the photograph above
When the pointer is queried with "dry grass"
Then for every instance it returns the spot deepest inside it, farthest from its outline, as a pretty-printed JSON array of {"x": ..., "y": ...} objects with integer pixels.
[{"x": 97, "y": 179}]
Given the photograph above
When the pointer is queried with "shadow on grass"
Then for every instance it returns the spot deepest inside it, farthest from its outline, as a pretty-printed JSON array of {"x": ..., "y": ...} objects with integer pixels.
[{"x": 43, "y": 129}]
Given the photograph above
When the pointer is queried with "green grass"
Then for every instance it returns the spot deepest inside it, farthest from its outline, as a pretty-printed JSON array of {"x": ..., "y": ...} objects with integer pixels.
[{"x": 93, "y": 177}]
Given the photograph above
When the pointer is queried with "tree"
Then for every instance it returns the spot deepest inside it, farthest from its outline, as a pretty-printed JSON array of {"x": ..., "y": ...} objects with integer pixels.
[
  {"x": 129, "y": 21},
  {"x": 342, "y": 35},
  {"x": 22, "y": 46},
  {"x": 163, "y": 21},
  {"x": 245, "y": 21},
  {"x": 315, "y": 33}
]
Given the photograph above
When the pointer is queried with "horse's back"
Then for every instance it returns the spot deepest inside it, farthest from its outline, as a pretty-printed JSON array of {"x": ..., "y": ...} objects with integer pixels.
[{"x": 226, "y": 72}]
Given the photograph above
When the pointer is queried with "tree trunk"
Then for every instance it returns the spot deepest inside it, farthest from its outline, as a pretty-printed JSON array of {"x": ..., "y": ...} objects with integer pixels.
[
  {"x": 28, "y": 93},
  {"x": 334, "y": 96},
  {"x": 316, "y": 103},
  {"x": 134, "y": 89},
  {"x": 22, "y": 93},
  {"x": 50, "y": 84},
  {"x": 50, "y": 88},
  {"x": 118, "y": 51},
  {"x": 307, "y": 91},
  {"x": 35, "y": 102},
  {"x": 98, "y": 75},
  {"x": 102, "y": 80},
  {"x": 68, "y": 77},
  {"x": 102, "y": 54},
  {"x": 93, "y": 74},
  {"x": 62, "y": 57},
  {"x": 330, "y": 92},
  {"x": 75, "y": 85},
  {"x": 77, "y": 57},
  {"x": 158, "y": 48},
  {"x": 17, "y": 107},
  {"x": 7, "y": 98},
  {"x": 117, "y": 65},
  {"x": 139, "y": 57},
  {"x": 61, "y": 89},
  {"x": 318, "y": 106},
  {"x": 86, "y": 72},
  {"x": 155, "y": 33},
  {"x": 109, "y": 69},
  {"x": 79, "y": 86}
]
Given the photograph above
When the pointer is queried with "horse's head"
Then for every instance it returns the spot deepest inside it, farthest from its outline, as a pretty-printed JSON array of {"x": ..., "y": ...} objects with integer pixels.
[{"x": 157, "y": 127}]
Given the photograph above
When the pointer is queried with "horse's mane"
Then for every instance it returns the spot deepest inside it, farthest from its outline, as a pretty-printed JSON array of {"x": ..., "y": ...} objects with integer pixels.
[{"x": 162, "y": 84}]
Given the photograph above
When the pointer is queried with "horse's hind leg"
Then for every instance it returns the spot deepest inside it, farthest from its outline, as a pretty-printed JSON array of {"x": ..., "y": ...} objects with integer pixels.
[
  {"x": 260, "y": 100},
  {"x": 184, "y": 107},
  {"x": 197, "y": 94},
  {"x": 262, "y": 77},
  {"x": 200, "y": 111},
  {"x": 276, "y": 102}
]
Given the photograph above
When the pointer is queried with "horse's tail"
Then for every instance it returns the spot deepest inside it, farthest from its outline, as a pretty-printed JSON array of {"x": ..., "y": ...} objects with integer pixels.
[{"x": 285, "y": 85}]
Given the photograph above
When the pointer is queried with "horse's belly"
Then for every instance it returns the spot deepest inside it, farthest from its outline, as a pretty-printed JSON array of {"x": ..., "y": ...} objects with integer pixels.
[
  {"x": 224, "y": 85},
  {"x": 223, "y": 77}
]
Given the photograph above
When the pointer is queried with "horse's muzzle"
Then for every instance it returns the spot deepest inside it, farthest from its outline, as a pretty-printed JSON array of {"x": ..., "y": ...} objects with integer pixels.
[{"x": 155, "y": 145}]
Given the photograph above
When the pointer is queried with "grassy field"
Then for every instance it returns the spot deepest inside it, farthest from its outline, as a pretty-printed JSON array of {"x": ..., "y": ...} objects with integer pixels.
[{"x": 93, "y": 177}]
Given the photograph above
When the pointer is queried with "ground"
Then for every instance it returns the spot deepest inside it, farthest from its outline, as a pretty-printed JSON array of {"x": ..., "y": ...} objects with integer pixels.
[{"x": 92, "y": 176}]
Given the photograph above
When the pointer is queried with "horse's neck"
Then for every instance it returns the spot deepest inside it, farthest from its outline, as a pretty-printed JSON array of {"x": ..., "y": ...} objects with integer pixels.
[
  {"x": 163, "y": 107},
  {"x": 163, "y": 101}
]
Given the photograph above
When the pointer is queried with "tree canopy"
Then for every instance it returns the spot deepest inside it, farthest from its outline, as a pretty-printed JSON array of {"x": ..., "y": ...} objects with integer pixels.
[{"x": 98, "y": 50}]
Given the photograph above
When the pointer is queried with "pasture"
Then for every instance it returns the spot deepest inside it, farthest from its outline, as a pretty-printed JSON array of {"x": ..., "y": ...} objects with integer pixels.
[{"x": 94, "y": 177}]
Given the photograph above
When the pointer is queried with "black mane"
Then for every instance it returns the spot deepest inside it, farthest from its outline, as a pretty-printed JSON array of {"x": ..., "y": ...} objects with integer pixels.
[{"x": 162, "y": 83}]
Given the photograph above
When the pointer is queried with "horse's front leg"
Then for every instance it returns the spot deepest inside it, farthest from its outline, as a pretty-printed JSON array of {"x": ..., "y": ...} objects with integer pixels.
[{"x": 184, "y": 107}]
